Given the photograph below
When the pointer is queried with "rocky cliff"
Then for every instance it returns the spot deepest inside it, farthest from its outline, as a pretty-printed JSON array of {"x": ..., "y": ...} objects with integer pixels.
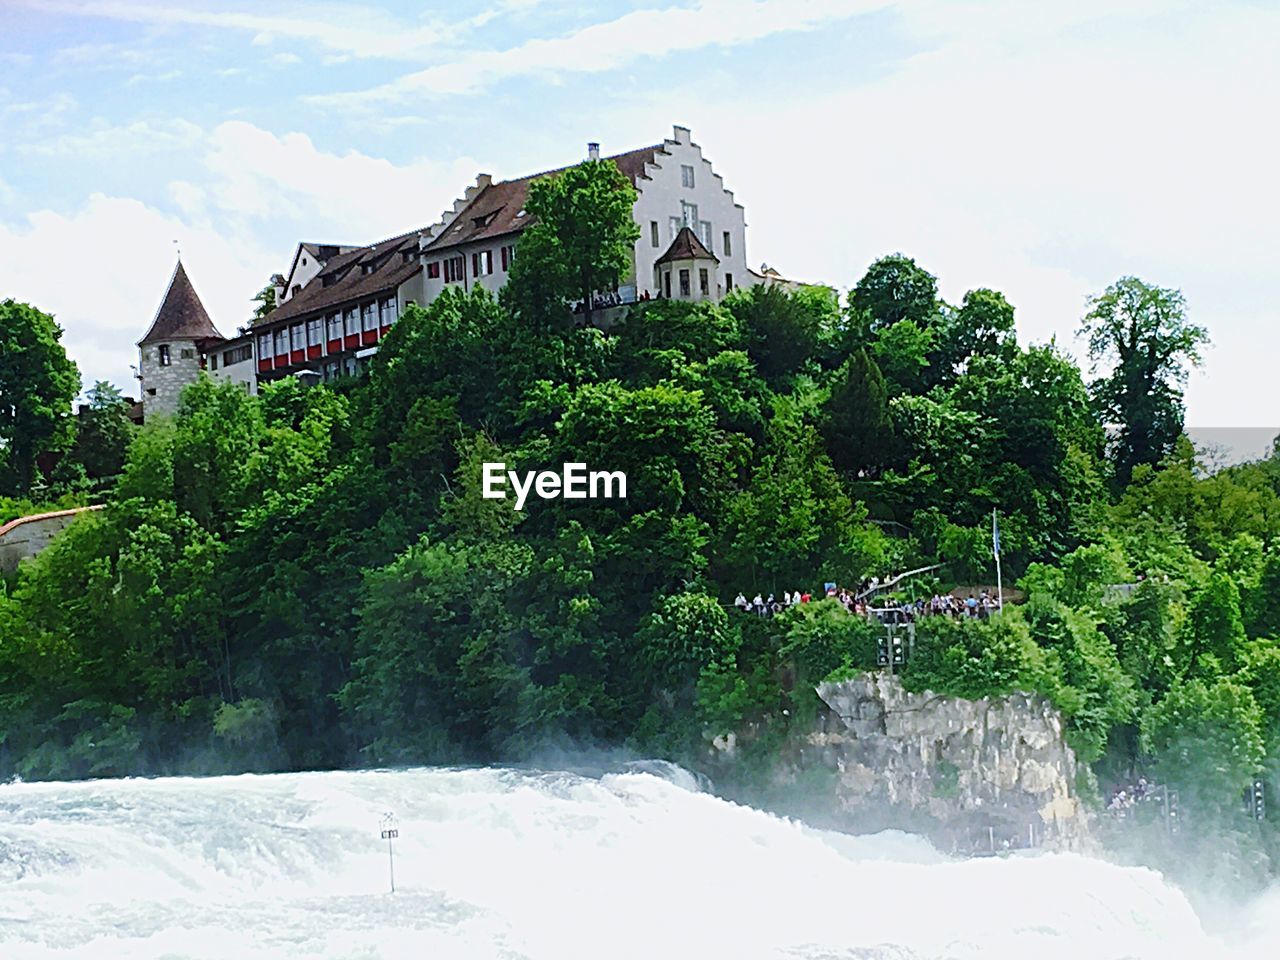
[{"x": 975, "y": 775}]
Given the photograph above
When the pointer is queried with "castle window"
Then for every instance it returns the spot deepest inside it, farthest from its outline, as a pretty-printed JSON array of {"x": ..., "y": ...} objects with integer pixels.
[
  {"x": 482, "y": 263},
  {"x": 314, "y": 332},
  {"x": 264, "y": 345},
  {"x": 704, "y": 228},
  {"x": 282, "y": 341},
  {"x": 187, "y": 354},
  {"x": 351, "y": 321},
  {"x": 334, "y": 323},
  {"x": 213, "y": 361},
  {"x": 164, "y": 355},
  {"x": 387, "y": 312},
  {"x": 654, "y": 240},
  {"x": 508, "y": 256},
  {"x": 298, "y": 336},
  {"x": 728, "y": 282},
  {"x": 704, "y": 281},
  {"x": 728, "y": 244},
  {"x": 370, "y": 317},
  {"x": 455, "y": 269},
  {"x": 684, "y": 283},
  {"x": 433, "y": 270},
  {"x": 686, "y": 175}
]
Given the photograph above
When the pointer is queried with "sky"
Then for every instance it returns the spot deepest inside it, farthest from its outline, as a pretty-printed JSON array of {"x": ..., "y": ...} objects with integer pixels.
[{"x": 1044, "y": 149}]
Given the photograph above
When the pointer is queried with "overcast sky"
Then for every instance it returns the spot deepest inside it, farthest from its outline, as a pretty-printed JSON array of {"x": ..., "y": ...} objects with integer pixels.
[{"x": 1041, "y": 148}]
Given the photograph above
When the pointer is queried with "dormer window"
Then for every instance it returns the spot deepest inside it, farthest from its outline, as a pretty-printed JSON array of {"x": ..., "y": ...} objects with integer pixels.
[
  {"x": 408, "y": 256},
  {"x": 328, "y": 280},
  {"x": 484, "y": 219},
  {"x": 367, "y": 268}
]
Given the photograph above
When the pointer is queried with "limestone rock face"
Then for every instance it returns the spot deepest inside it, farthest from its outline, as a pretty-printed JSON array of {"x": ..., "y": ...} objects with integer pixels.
[{"x": 976, "y": 775}]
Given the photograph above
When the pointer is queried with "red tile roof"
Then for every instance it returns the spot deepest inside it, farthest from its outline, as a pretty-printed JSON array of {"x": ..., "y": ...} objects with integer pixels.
[
  {"x": 686, "y": 246},
  {"x": 343, "y": 278},
  {"x": 497, "y": 209},
  {"x": 181, "y": 315},
  {"x": 494, "y": 211}
]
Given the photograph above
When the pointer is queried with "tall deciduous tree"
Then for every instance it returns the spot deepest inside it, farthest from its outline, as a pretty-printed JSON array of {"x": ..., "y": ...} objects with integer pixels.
[
  {"x": 37, "y": 384},
  {"x": 580, "y": 242},
  {"x": 894, "y": 289},
  {"x": 103, "y": 432},
  {"x": 1142, "y": 332}
]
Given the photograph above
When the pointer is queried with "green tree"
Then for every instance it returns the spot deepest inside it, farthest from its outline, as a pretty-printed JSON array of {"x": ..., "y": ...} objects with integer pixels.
[
  {"x": 983, "y": 326},
  {"x": 103, "y": 432},
  {"x": 686, "y": 632},
  {"x": 37, "y": 384},
  {"x": 855, "y": 419},
  {"x": 580, "y": 242},
  {"x": 1142, "y": 332},
  {"x": 266, "y": 303},
  {"x": 894, "y": 289},
  {"x": 783, "y": 330},
  {"x": 1206, "y": 740}
]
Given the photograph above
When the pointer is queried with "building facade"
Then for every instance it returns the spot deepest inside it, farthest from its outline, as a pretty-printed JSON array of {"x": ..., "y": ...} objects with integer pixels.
[{"x": 336, "y": 303}]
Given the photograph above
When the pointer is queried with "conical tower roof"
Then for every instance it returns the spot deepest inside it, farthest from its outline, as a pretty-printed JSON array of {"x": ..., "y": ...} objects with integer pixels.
[{"x": 181, "y": 315}]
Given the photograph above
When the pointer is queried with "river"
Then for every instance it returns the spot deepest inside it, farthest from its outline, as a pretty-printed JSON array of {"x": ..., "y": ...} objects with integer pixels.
[{"x": 547, "y": 866}]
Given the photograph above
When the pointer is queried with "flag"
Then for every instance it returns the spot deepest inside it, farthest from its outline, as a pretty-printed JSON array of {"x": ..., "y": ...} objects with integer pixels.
[{"x": 995, "y": 536}]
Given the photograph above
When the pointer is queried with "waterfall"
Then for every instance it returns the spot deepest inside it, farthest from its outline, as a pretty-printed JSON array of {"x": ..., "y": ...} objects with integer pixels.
[{"x": 503, "y": 863}]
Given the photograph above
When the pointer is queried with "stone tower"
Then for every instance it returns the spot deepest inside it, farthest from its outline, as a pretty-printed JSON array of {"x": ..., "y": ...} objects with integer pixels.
[{"x": 172, "y": 353}]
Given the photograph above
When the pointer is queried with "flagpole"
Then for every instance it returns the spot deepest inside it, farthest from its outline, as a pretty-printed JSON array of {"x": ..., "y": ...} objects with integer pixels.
[{"x": 995, "y": 545}]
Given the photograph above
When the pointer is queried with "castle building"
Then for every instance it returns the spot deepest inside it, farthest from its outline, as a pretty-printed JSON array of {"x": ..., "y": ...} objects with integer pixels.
[
  {"x": 337, "y": 302},
  {"x": 174, "y": 349}
]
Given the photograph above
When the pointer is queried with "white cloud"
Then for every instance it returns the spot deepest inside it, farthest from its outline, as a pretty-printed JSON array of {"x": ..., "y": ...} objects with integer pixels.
[
  {"x": 358, "y": 30},
  {"x": 101, "y": 270},
  {"x": 348, "y": 198},
  {"x": 605, "y": 46},
  {"x": 1043, "y": 158},
  {"x": 132, "y": 140},
  {"x": 101, "y": 267}
]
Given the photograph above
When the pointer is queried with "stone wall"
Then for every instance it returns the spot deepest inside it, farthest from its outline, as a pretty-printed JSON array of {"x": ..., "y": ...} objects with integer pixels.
[
  {"x": 168, "y": 381},
  {"x": 27, "y": 536}
]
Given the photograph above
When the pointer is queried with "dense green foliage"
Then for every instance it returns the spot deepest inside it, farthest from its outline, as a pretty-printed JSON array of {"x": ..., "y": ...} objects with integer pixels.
[
  {"x": 311, "y": 577},
  {"x": 37, "y": 384}
]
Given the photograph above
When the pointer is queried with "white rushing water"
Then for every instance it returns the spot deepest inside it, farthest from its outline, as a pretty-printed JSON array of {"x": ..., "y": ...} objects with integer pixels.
[{"x": 501, "y": 863}]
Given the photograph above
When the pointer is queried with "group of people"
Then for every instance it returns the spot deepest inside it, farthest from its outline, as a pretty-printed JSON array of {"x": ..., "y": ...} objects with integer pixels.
[
  {"x": 1126, "y": 798},
  {"x": 602, "y": 301},
  {"x": 891, "y": 610},
  {"x": 767, "y": 606}
]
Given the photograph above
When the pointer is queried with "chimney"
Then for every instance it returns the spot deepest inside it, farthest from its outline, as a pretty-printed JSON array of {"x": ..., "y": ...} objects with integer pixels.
[{"x": 593, "y": 151}]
